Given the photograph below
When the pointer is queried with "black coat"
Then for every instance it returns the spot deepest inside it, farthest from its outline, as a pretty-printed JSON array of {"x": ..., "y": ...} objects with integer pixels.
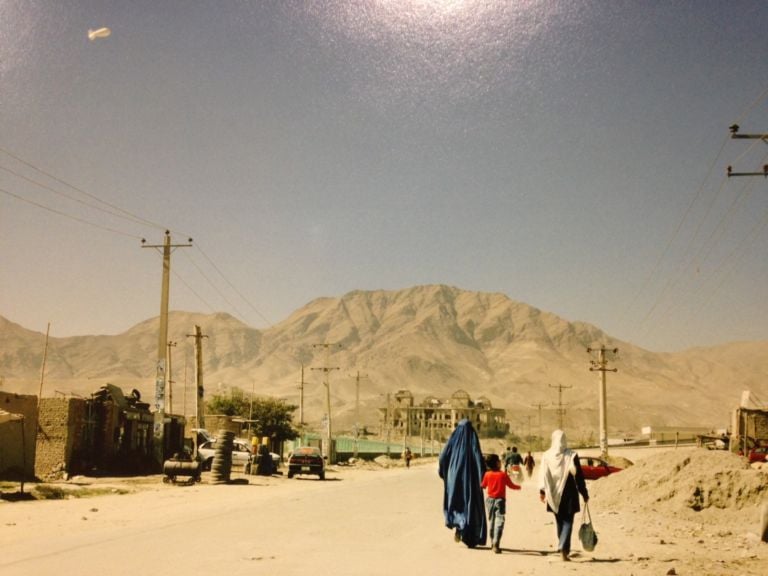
[{"x": 569, "y": 503}]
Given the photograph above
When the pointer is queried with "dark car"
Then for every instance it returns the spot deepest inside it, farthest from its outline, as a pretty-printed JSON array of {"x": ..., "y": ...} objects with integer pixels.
[
  {"x": 306, "y": 460},
  {"x": 758, "y": 454},
  {"x": 595, "y": 468}
]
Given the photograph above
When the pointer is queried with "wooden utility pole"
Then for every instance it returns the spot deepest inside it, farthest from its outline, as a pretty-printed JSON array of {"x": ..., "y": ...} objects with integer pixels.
[
  {"x": 601, "y": 365},
  {"x": 200, "y": 394},
  {"x": 42, "y": 369},
  {"x": 162, "y": 359}
]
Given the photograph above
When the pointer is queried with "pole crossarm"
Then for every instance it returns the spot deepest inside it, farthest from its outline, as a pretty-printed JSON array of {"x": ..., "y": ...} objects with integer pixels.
[
  {"x": 735, "y": 135},
  {"x": 764, "y": 173}
]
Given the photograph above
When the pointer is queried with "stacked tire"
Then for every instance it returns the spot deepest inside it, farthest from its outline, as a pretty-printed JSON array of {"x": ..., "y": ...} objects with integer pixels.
[{"x": 221, "y": 468}]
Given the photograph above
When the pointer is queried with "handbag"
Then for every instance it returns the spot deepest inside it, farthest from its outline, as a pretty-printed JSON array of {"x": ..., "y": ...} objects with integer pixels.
[{"x": 587, "y": 534}]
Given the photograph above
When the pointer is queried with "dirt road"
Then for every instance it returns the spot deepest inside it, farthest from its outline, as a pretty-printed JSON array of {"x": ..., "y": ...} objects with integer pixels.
[{"x": 357, "y": 522}]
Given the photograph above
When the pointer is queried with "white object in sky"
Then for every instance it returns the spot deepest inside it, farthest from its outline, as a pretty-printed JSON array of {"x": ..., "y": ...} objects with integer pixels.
[{"x": 98, "y": 33}]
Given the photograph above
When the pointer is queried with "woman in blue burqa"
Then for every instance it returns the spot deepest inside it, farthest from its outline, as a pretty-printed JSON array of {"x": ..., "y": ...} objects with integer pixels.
[{"x": 462, "y": 468}]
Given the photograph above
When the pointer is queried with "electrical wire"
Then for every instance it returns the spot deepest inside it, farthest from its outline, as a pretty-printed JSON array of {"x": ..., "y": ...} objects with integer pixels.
[
  {"x": 125, "y": 213},
  {"x": 70, "y": 216},
  {"x": 212, "y": 285},
  {"x": 117, "y": 211},
  {"x": 676, "y": 233},
  {"x": 215, "y": 267}
]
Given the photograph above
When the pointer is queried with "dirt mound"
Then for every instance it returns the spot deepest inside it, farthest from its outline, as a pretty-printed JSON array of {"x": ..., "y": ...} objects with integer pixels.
[{"x": 684, "y": 479}]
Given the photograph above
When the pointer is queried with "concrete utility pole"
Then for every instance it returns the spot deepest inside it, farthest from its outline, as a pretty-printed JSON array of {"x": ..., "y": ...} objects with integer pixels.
[
  {"x": 560, "y": 405},
  {"x": 170, "y": 377},
  {"x": 200, "y": 395},
  {"x": 331, "y": 453},
  {"x": 539, "y": 406},
  {"x": 301, "y": 399},
  {"x": 601, "y": 365},
  {"x": 162, "y": 360},
  {"x": 357, "y": 408}
]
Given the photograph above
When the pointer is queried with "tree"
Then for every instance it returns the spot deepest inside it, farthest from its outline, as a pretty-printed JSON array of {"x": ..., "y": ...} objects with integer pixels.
[{"x": 272, "y": 417}]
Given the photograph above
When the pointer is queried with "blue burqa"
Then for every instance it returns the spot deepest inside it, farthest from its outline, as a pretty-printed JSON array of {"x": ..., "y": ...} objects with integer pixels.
[{"x": 462, "y": 468}]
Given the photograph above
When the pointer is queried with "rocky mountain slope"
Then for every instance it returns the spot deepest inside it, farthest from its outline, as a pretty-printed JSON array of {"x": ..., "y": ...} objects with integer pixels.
[{"x": 431, "y": 340}]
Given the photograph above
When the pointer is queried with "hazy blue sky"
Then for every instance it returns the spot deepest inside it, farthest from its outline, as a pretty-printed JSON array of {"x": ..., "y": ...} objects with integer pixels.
[{"x": 569, "y": 154}]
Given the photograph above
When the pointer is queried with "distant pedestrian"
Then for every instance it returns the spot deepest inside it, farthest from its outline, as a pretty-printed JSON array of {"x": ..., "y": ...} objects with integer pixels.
[
  {"x": 560, "y": 483},
  {"x": 461, "y": 466},
  {"x": 512, "y": 458},
  {"x": 496, "y": 481},
  {"x": 529, "y": 463},
  {"x": 513, "y": 465},
  {"x": 407, "y": 455}
]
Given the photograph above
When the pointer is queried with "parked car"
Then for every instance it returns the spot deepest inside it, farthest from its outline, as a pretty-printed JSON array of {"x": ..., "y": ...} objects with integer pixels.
[
  {"x": 595, "y": 468},
  {"x": 758, "y": 454},
  {"x": 306, "y": 460},
  {"x": 241, "y": 453}
]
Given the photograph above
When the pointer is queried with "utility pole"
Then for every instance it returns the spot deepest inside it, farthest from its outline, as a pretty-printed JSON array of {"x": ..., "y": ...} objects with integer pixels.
[
  {"x": 560, "y": 406},
  {"x": 200, "y": 395},
  {"x": 357, "y": 408},
  {"x": 42, "y": 369},
  {"x": 330, "y": 452},
  {"x": 601, "y": 365},
  {"x": 170, "y": 377},
  {"x": 162, "y": 360},
  {"x": 539, "y": 406},
  {"x": 301, "y": 399}
]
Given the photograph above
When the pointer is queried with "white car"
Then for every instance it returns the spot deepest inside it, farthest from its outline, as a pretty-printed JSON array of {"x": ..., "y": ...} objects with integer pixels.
[{"x": 241, "y": 453}]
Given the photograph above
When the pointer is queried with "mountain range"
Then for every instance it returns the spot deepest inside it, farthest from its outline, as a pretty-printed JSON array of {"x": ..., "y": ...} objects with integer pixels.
[{"x": 432, "y": 340}]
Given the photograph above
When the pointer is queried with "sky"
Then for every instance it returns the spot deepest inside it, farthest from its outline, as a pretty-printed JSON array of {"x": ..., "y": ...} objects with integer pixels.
[{"x": 569, "y": 154}]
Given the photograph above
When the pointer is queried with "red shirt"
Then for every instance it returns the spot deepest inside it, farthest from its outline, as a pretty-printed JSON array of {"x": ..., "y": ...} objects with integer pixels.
[{"x": 496, "y": 481}]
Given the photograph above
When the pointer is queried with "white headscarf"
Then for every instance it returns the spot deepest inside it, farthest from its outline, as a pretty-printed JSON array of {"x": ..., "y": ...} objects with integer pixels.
[{"x": 556, "y": 464}]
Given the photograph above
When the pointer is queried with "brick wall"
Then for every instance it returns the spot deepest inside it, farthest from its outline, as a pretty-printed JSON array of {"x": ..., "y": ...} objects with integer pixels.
[
  {"x": 61, "y": 437},
  {"x": 13, "y": 435}
]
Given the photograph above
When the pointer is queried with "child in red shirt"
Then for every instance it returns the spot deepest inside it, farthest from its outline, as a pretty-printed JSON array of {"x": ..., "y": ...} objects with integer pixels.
[{"x": 496, "y": 481}]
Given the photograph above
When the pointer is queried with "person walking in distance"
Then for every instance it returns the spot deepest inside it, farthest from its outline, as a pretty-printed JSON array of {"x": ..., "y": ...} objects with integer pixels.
[
  {"x": 461, "y": 466},
  {"x": 496, "y": 481},
  {"x": 407, "y": 455},
  {"x": 561, "y": 480},
  {"x": 529, "y": 463}
]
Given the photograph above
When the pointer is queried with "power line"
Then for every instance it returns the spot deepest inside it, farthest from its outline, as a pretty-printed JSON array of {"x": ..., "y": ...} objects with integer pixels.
[
  {"x": 118, "y": 212},
  {"x": 69, "y": 197},
  {"x": 211, "y": 262},
  {"x": 127, "y": 214},
  {"x": 70, "y": 216}
]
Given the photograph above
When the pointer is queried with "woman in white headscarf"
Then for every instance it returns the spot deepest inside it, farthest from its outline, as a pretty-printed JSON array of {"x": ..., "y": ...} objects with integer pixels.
[{"x": 560, "y": 483}]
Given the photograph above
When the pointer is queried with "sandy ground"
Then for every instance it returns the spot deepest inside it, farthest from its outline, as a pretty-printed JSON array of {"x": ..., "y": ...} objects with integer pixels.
[{"x": 382, "y": 521}]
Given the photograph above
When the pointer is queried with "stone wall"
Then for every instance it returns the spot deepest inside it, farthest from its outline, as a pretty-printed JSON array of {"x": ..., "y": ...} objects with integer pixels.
[
  {"x": 61, "y": 437},
  {"x": 17, "y": 441}
]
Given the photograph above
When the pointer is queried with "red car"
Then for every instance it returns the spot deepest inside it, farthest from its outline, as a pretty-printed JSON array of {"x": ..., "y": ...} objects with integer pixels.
[
  {"x": 595, "y": 468},
  {"x": 758, "y": 454}
]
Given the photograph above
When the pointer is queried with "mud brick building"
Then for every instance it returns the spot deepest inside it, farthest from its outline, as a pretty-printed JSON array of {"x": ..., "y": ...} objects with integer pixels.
[
  {"x": 62, "y": 438},
  {"x": 17, "y": 436}
]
